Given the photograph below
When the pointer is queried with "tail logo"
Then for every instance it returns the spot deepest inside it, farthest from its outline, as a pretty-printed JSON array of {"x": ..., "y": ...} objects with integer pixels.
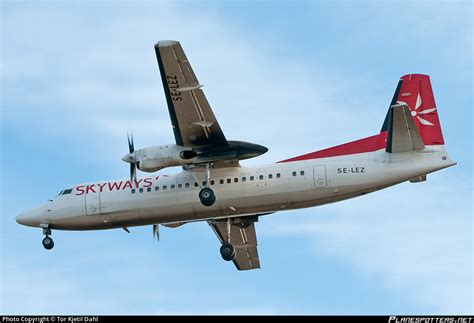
[{"x": 417, "y": 113}]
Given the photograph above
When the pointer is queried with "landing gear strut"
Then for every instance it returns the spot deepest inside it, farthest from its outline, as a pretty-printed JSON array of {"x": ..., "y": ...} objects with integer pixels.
[
  {"x": 227, "y": 249},
  {"x": 48, "y": 242},
  {"x": 206, "y": 194}
]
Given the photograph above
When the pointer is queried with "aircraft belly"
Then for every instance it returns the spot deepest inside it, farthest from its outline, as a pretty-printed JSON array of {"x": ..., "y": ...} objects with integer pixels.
[{"x": 83, "y": 222}]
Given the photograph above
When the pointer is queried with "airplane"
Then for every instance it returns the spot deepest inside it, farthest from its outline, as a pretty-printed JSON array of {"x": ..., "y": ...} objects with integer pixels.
[{"x": 213, "y": 186}]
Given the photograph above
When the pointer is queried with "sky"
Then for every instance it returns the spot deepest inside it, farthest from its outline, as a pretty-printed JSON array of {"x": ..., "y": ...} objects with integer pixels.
[{"x": 293, "y": 76}]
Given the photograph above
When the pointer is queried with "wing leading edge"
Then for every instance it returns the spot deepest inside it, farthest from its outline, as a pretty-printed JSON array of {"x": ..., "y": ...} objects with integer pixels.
[{"x": 193, "y": 121}]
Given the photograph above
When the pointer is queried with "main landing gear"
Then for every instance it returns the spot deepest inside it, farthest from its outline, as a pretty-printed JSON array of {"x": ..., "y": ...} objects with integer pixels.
[
  {"x": 206, "y": 194},
  {"x": 227, "y": 249},
  {"x": 48, "y": 242}
]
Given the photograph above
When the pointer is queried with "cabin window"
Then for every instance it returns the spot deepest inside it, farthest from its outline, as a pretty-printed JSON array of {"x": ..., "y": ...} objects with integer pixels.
[
  {"x": 244, "y": 179},
  {"x": 172, "y": 186},
  {"x": 278, "y": 175},
  {"x": 204, "y": 183},
  {"x": 229, "y": 180},
  {"x": 212, "y": 182},
  {"x": 157, "y": 188},
  {"x": 165, "y": 187},
  {"x": 68, "y": 191},
  {"x": 141, "y": 190},
  {"x": 148, "y": 189},
  {"x": 252, "y": 178},
  {"x": 270, "y": 176},
  {"x": 302, "y": 173},
  {"x": 236, "y": 180},
  {"x": 196, "y": 184},
  {"x": 133, "y": 191},
  {"x": 294, "y": 173},
  {"x": 180, "y": 185},
  {"x": 186, "y": 185},
  {"x": 260, "y": 177},
  {"x": 221, "y": 181}
]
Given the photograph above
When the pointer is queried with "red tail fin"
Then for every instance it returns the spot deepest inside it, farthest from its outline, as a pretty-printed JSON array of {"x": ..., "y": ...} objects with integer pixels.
[{"x": 415, "y": 91}]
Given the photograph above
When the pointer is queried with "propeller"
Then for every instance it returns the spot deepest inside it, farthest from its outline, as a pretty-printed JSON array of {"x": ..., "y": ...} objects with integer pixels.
[
  {"x": 156, "y": 231},
  {"x": 130, "y": 158},
  {"x": 131, "y": 148}
]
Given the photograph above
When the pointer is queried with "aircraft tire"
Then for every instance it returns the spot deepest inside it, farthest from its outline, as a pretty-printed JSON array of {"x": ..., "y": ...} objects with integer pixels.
[
  {"x": 207, "y": 196},
  {"x": 48, "y": 243},
  {"x": 227, "y": 252}
]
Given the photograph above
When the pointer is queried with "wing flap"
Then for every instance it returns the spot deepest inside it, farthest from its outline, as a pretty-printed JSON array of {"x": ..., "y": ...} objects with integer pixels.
[{"x": 243, "y": 238}]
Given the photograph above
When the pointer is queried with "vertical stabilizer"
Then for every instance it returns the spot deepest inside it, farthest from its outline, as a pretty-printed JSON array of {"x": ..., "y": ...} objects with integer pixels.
[{"x": 414, "y": 91}]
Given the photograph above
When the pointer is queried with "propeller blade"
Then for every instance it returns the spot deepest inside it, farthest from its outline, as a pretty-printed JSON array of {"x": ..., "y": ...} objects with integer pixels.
[
  {"x": 129, "y": 158},
  {"x": 156, "y": 231},
  {"x": 131, "y": 147},
  {"x": 133, "y": 172}
]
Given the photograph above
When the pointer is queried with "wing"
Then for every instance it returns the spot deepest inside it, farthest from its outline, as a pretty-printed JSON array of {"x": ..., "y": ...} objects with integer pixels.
[
  {"x": 193, "y": 121},
  {"x": 243, "y": 238}
]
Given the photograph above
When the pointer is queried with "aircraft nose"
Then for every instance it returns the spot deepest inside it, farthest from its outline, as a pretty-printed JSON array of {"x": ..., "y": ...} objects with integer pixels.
[
  {"x": 31, "y": 218},
  {"x": 20, "y": 219}
]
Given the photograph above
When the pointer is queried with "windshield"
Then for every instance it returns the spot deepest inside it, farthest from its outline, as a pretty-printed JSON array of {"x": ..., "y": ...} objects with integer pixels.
[{"x": 64, "y": 192}]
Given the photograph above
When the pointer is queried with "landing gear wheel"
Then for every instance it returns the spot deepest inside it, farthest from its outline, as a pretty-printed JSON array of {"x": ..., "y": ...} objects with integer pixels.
[
  {"x": 227, "y": 252},
  {"x": 48, "y": 243},
  {"x": 207, "y": 196}
]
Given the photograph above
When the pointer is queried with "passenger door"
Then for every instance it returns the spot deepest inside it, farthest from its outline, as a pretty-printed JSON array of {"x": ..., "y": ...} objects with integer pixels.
[
  {"x": 93, "y": 203},
  {"x": 320, "y": 179}
]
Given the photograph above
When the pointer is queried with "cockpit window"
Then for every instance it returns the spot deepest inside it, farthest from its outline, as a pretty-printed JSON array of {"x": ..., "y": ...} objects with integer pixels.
[
  {"x": 68, "y": 191},
  {"x": 60, "y": 193}
]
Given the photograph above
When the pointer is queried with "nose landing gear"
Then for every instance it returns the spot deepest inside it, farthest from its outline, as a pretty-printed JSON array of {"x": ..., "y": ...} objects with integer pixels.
[{"x": 48, "y": 242}]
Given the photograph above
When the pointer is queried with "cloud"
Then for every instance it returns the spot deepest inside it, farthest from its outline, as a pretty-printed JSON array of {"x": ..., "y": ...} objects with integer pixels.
[
  {"x": 117, "y": 284},
  {"x": 415, "y": 239},
  {"x": 101, "y": 85},
  {"x": 80, "y": 76}
]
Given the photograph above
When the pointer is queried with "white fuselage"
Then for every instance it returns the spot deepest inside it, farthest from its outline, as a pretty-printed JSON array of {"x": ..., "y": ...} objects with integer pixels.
[{"x": 173, "y": 199}]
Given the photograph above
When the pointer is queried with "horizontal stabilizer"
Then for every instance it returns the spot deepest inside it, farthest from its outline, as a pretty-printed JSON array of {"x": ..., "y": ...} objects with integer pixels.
[{"x": 403, "y": 135}]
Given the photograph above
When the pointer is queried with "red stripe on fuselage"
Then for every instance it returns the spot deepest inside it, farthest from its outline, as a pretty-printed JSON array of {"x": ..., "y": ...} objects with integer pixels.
[{"x": 364, "y": 145}]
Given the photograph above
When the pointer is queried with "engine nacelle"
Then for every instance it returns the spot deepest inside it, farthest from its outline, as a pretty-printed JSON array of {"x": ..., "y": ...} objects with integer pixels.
[{"x": 155, "y": 158}]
